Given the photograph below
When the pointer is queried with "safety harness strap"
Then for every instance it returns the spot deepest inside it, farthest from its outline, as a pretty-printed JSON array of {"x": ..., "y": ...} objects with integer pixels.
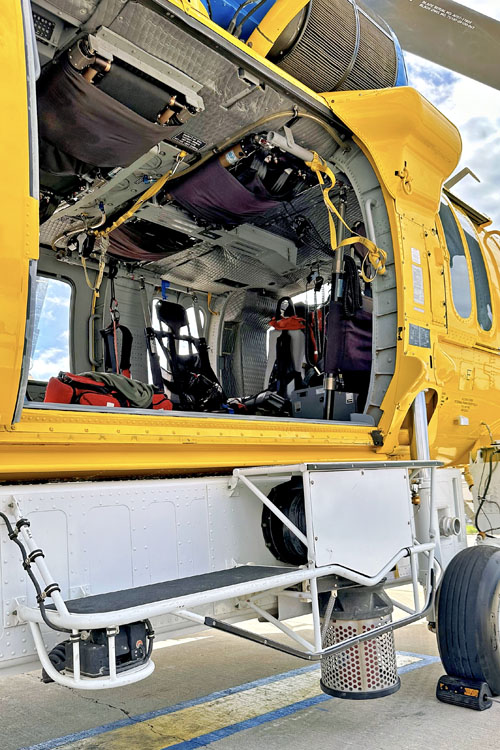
[
  {"x": 376, "y": 256},
  {"x": 109, "y": 339}
]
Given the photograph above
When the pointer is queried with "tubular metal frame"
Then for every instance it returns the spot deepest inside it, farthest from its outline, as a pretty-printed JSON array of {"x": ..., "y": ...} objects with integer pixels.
[{"x": 247, "y": 592}]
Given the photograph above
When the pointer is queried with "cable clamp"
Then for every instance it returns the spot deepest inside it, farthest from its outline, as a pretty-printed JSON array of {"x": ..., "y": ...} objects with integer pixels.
[
  {"x": 33, "y": 555},
  {"x": 50, "y": 589},
  {"x": 22, "y": 522}
]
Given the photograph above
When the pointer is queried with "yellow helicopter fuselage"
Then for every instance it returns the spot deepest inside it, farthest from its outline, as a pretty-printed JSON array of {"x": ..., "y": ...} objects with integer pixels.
[{"x": 412, "y": 149}]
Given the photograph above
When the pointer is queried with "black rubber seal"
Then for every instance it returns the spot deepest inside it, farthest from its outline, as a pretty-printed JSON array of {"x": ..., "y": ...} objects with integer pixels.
[{"x": 368, "y": 695}]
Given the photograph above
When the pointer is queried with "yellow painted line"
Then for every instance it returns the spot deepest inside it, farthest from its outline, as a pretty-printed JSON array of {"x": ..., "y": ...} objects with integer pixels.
[
  {"x": 187, "y": 723},
  {"x": 164, "y": 731}
]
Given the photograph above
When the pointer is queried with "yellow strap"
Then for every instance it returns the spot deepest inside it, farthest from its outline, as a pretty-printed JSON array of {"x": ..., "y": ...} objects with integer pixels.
[
  {"x": 375, "y": 255},
  {"x": 152, "y": 190},
  {"x": 102, "y": 265},
  {"x": 209, "y": 299}
]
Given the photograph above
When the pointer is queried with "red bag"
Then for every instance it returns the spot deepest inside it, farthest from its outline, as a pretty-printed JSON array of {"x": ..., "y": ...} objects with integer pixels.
[
  {"x": 87, "y": 398},
  {"x": 160, "y": 401},
  {"x": 293, "y": 323},
  {"x": 77, "y": 389}
]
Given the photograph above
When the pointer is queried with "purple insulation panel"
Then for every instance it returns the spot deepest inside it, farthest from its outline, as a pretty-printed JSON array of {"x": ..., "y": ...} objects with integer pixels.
[
  {"x": 142, "y": 241},
  {"x": 349, "y": 344},
  {"x": 84, "y": 122},
  {"x": 213, "y": 194}
]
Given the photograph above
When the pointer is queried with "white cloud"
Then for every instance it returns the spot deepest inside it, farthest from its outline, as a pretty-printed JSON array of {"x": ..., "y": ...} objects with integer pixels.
[
  {"x": 59, "y": 301},
  {"x": 475, "y": 110},
  {"x": 48, "y": 363}
]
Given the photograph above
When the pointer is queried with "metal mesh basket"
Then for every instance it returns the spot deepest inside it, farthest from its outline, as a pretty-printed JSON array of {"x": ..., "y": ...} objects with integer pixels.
[{"x": 368, "y": 669}]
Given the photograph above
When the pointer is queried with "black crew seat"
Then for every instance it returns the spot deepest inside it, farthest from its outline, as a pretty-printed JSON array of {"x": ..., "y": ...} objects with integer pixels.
[{"x": 189, "y": 378}]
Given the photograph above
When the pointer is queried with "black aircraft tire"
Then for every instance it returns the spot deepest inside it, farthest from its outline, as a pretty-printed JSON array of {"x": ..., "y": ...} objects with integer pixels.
[{"x": 468, "y": 627}]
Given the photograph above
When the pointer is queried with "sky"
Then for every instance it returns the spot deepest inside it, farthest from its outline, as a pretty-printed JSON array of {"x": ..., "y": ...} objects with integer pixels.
[
  {"x": 475, "y": 110},
  {"x": 50, "y": 352}
]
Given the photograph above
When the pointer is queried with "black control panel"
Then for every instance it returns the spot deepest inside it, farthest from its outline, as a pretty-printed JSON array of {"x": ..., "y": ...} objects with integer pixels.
[
  {"x": 48, "y": 31},
  {"x": 44, "y": 27}
]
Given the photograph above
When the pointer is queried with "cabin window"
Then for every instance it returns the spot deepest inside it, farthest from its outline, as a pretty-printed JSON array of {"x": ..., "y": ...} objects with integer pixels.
[
  {"x": 459, "y": 269},
  {"x": 190, "y": 330},
  {"x": 50, "y": 344},
  {"x": 483, "y": 297}
]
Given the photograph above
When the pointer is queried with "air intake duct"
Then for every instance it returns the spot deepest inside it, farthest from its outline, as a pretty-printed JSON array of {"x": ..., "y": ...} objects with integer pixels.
[
  {"x": 328, "y": 45},
  {"x": 341, "y": 47}
]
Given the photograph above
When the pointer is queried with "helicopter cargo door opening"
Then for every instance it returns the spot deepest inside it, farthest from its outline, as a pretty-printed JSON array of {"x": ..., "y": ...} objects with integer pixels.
[
  {"x": 261, "y": 318},
  {"x": 202, "y": 234}
]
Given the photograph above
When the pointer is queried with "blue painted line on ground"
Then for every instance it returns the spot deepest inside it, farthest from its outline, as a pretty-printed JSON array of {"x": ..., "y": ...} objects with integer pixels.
[
  {"x": 220, "y": 734},
  {"x": 207, "y": 739},
  {"x": 60, "y": 741},
  {"x": 424, "y": 660}
]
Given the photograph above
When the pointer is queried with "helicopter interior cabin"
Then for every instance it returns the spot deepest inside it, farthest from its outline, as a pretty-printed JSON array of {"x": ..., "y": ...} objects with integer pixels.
[{"x": 184, "y": 238}]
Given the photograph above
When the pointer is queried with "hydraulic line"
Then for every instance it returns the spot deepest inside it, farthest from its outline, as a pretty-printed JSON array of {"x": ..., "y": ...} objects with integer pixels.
[
  {"x": 27, "y": 562},
  {"x": 236, "y": 137},
  {"x": 234, "y": 19},
  {"x": 482, "y": 499},
  {"x": 245, "y": 18}
]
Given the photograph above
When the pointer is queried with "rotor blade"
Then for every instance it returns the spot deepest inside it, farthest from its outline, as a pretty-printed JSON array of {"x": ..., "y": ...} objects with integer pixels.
[{"x": 446, "y": 33}]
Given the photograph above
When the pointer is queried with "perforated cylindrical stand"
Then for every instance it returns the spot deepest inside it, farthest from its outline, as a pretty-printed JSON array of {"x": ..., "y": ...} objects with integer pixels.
[{"x": 367, "y": 670}]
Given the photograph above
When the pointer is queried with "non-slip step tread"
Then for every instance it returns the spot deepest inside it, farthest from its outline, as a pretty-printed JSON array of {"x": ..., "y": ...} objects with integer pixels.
[{"x": 157, "y": 592}]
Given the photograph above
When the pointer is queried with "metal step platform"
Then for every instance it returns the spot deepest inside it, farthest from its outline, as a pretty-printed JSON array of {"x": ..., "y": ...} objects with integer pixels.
[{"x": 169, "y": 590}]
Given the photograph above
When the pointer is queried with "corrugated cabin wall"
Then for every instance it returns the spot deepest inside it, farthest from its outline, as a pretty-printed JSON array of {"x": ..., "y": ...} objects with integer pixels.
[{"x": 243, "y": 351}]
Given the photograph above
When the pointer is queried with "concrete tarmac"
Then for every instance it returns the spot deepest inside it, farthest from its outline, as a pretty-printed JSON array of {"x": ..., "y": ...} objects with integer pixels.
[{"x": 199, "y": 696}]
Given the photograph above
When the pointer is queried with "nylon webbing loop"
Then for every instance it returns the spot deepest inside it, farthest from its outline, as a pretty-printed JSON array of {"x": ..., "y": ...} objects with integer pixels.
[
  {"x": 375, "y": 255},
  {"x": 149, "y": 193}
]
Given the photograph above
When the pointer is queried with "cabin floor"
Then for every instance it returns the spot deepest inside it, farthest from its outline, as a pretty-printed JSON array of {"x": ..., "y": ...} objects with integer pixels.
[{"x": 211, "y": 691}]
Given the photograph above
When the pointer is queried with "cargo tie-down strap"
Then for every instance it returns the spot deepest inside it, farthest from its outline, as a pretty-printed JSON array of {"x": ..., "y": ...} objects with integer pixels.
[
  {"x": 149, "y": 193},
  {"x": 376, "y": 256}
]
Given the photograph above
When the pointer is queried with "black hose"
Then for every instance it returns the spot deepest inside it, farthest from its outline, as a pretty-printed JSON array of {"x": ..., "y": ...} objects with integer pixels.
[
  {"x": 150, "y": 633},
  {"x": 482, "y": 498},
  {"x": 239, "y": 27},
  {"x": 209, "y": 8},
  {"x": 232, "y": 22},
  {"x": 13, "y": 536},
  {"x": 352, "y": 300}
]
